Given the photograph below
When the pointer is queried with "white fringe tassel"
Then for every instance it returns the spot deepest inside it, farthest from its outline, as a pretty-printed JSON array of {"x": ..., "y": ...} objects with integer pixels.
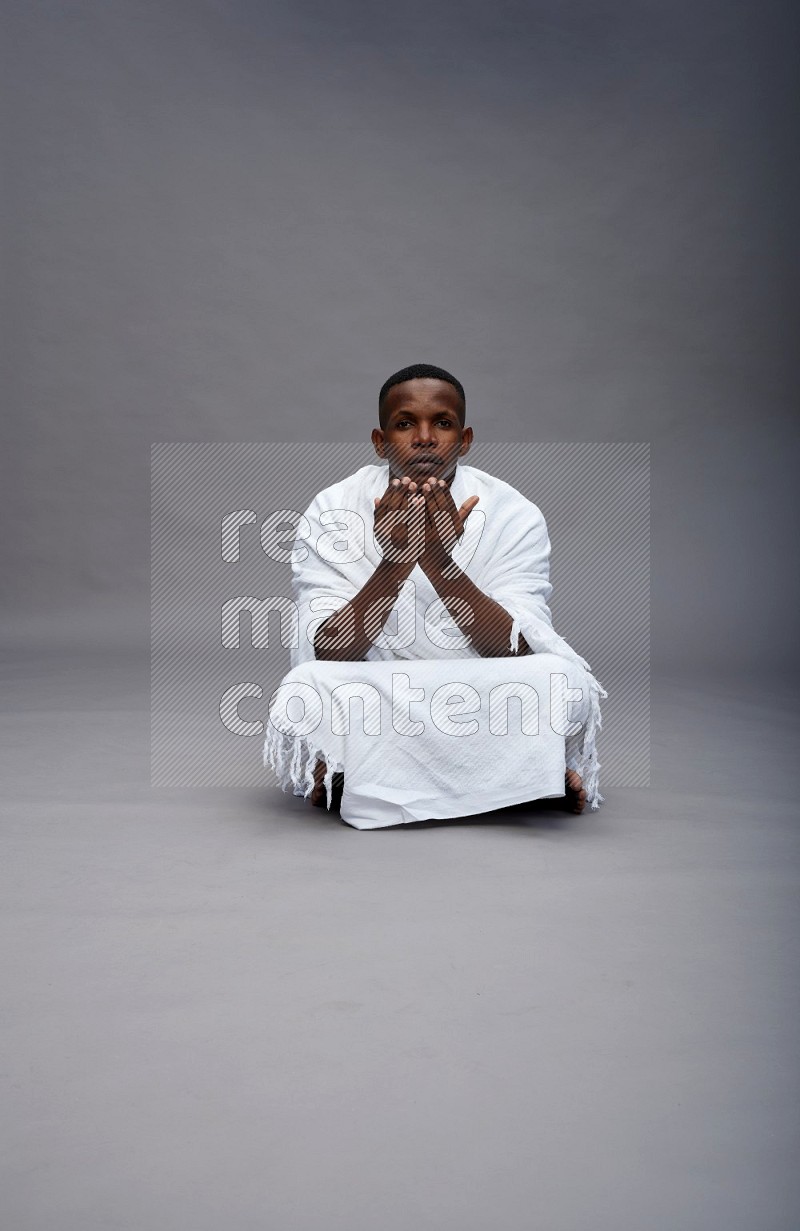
[
  {"x": 581, "y": 748},
  {"x": 293, "y": 759}
]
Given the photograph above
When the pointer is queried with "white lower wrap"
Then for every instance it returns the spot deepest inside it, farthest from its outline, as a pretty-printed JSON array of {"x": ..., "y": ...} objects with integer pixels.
[{"x": 426, "y": 739}]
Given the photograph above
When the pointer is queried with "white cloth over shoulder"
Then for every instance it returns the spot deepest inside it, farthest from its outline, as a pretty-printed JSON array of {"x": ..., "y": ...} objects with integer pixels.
[{"x": 505, "y": 550}]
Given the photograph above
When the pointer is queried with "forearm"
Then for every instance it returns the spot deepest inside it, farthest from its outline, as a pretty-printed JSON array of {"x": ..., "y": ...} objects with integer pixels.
[
  {"x": 485, "y": 622},
  {"x": 348, "y": 634}
]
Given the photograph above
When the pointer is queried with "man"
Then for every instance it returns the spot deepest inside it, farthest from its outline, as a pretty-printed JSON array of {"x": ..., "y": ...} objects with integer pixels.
[{"x": 460, "y": 559}]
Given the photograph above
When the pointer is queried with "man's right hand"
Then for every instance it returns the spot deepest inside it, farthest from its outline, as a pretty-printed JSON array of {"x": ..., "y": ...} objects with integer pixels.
[
  {"x": 349, "y": 633},
  {"x": 400, "y": 522}
]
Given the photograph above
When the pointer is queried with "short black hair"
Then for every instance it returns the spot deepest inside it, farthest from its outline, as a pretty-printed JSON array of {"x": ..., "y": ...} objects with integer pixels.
[{"x": 416, "y": 371}]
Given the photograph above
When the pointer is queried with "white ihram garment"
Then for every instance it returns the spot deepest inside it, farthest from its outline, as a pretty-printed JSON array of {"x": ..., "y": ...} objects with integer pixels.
[{"x": 436, "y": 730}]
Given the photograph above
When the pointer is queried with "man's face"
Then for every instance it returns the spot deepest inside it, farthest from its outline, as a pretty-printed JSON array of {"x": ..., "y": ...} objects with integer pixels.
[{"x": 423, "y": 436}]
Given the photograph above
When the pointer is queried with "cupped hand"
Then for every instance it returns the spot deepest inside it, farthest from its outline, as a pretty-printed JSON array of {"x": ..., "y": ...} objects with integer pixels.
[
  {"x": 444, "y": 523},
  {"x": 400, "y": 522}
]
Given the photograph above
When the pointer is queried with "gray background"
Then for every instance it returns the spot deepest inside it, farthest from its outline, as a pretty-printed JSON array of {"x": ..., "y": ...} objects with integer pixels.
[
  {"x": 230, "y": 222},
  {"x": 233, "y": 221}
]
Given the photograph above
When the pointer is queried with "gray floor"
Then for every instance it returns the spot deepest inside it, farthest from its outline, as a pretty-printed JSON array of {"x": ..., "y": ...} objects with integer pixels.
[{"x": 227, "y": 1010}]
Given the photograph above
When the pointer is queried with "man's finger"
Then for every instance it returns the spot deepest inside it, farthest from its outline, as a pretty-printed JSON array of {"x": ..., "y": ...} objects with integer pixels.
[
  {"x": 447, "y": 508},
  {"x": 439, "y": 495},
  {"x": 442, "y": 516},
  {"x": 431, "y": 502},
  {"x": 417, "y": 513},
  {"x": 459, "y": 516},
  {"x": 447, "y": 495},
  {"x": 396, "y": 493}
]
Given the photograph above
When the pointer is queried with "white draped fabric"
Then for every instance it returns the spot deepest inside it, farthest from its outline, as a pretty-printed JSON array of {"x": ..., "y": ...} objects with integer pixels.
[{"x": 425, "y": 727}]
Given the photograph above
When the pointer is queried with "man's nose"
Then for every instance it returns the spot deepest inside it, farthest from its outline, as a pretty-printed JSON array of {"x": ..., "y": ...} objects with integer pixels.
[{"x": 425, "y": 436}]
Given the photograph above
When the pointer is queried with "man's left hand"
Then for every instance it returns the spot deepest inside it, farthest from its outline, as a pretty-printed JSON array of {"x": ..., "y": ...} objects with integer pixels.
[{"x": 444, "y": 523}]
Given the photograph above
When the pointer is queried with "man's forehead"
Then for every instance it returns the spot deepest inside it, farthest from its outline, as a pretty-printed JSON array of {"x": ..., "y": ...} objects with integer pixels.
[{"x": 429, "y": 392}]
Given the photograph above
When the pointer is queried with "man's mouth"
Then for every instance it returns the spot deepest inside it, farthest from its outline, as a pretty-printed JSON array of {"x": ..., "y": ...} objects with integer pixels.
[{"x": 428, "y": 461}]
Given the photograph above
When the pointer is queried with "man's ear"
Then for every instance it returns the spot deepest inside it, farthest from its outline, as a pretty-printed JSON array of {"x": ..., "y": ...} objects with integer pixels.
[
  {"x": 466, "y": 441},
  {"x": 377, "y": 440}
]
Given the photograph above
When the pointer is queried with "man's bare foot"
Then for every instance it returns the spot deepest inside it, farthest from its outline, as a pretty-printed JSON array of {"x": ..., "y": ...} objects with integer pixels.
[
  {"x": 575, "y": 798},
  {"x": 319, "y": 796}
]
